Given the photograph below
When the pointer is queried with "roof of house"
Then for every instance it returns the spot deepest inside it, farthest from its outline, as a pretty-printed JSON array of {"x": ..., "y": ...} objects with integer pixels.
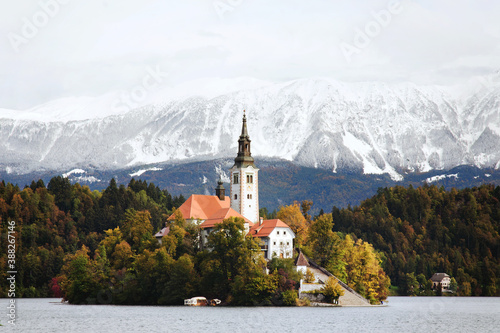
[
  {"x": 162, "y": 232},
  {"x": 267, "y": 226},
  {"x": 301, "y": 260},
  {"x": 213, "y": 210},
  {"x": 438, "y": 277},
  {"x": 222, "y": 214},
  {"x": 208, "y": 208},
  {"x": 202, "y": 207}
]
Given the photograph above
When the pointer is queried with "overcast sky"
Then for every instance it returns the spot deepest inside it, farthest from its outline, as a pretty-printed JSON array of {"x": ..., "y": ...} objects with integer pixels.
[{"x": 88, "y": 48}]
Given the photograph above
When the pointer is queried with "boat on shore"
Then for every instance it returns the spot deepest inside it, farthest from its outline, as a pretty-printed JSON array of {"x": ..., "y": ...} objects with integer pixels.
[
  {"x": 201, "y": 301},
  {"x": 196, "y": 301}
]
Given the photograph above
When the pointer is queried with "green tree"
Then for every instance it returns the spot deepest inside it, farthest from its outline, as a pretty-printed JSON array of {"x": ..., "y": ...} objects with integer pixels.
[
  {"x": 81, "y": 278},
  {"x": 326, "y": 245},
  {"x": 256, "y": 289},
  {"x": 232, "y": 253},
  {"x": 409, "y": 285},
  {"x": 183, "y": 281},
  {"x": 290, "y": 297},
  {"x": 453, "y": 285}
]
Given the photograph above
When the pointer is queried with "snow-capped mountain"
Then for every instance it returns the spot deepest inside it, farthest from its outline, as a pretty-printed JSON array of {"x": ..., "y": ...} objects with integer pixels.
[{"x": 365, "y": 127}]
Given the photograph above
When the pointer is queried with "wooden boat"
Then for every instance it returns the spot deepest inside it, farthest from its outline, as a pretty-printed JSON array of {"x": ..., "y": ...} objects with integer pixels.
[
  {"x": 196, "y": 301},
  {"x": 214, "y": 302}
]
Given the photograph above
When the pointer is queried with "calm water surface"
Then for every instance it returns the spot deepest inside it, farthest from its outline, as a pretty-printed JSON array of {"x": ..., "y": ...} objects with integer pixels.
[{"x": 403, "y": 314}]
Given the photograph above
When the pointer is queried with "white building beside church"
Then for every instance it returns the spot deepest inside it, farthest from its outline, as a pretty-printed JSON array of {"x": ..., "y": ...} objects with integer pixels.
[{"x": 276, "y": 236}]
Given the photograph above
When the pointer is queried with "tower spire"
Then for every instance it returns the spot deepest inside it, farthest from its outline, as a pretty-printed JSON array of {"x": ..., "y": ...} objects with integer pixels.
[
  {"x": 244, "y": 157},
  {"x": 244, "y": 131}
]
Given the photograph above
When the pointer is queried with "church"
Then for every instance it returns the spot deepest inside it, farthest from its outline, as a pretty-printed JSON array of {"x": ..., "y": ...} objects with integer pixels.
[{"x": 276, "y": 237}]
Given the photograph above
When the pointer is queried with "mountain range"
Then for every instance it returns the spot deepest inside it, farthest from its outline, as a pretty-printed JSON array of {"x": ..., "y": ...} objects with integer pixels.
[{"x": 365, "y": 128}]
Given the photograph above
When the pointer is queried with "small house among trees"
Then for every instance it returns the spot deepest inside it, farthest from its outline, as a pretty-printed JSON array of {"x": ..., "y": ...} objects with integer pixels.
[{"x": 442, "y": 279}]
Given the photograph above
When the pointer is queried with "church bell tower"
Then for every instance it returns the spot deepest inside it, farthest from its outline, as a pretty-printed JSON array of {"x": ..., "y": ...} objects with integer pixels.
[{"x": 245, "y": 179}]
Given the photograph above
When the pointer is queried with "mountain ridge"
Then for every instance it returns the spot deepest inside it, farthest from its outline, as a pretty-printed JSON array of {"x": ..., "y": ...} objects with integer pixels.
[
  {"x": 371, "y": 128},
  {"x": 281, "y": 182}
]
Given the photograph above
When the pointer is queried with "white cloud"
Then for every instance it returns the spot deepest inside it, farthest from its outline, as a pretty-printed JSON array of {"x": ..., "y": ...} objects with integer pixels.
[{"x": 96, "y": 46}]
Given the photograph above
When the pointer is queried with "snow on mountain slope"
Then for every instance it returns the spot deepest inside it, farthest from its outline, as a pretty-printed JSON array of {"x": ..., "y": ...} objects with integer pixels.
[{"x": 361, "y": 127}]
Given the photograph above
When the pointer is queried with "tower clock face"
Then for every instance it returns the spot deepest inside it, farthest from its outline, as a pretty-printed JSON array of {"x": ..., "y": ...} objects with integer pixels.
[{"x": 249, "y": 187}]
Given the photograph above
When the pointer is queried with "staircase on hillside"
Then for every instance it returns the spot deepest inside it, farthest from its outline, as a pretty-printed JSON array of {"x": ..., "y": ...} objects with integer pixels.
[{"x": 350, "y": 297}]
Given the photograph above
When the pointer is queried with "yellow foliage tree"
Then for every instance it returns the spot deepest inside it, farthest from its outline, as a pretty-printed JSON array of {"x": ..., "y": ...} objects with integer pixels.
[
  {"x": 179, "y": 219},
  {"x": 173, "y": 240},
  {"x": 310, "y": 277},
  {"x": 137, "y": 229},
  {"x": 293, "y": 217},
  {"x": 364, "y": 273},
  {"x": 113, "y": 238},
  {"x": 122, "y": 256},
  {"x": 332, "y": 290}
]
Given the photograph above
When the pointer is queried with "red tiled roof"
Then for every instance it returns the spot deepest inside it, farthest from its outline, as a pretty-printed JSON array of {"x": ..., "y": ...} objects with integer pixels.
[
  {"x": 208, "y": 208},
  {"x": 202, "y": 206},
  {"x": 220, "y": 215},
  {"x": 267, "y": 227}
]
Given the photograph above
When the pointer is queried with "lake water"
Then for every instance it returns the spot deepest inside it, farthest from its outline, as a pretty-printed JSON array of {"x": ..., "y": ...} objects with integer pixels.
[{"x": 403, "y": 314}]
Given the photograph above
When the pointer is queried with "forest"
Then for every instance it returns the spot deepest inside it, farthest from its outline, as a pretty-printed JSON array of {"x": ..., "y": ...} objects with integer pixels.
[
  {"x": 53, "y": 221},
  {"x": 98, "y": 247},
  {"x": 426, "y": 230}
]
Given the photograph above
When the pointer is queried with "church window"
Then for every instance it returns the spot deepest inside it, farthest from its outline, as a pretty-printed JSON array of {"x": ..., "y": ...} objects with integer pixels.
[
  {"x": 284, "y": 232},
  {"x": 236, "y": 197},
  {"x": 277, "y": 232},
  {"x": 235, "y": 179},
  {"x": 274, "y": 243},
  {"x": 250, "y": 179},
  {"x": 249, "y": 196}
]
